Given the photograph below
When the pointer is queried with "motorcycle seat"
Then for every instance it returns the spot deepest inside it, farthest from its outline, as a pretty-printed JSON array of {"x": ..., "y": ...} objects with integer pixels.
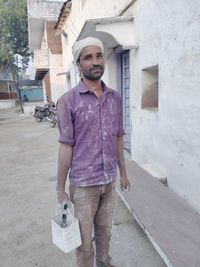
[{"x": 41, "y": 107}]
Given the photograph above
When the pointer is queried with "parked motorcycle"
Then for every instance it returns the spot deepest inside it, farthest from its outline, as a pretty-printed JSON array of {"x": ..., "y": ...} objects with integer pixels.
[
  {"x": 52, "y": 117},
  {"x": 41, "y": 112}
]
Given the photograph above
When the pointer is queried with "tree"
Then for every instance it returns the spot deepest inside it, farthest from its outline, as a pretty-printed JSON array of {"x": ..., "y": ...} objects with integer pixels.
[{"x": 13, "y": 36}]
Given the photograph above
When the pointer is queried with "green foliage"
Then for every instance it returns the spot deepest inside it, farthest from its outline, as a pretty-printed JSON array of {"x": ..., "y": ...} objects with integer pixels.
[{"x": 13, "y": 32}]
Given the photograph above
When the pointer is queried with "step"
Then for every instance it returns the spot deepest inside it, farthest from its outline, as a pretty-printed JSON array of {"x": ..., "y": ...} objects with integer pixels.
[{"x": 172, "y": 226}]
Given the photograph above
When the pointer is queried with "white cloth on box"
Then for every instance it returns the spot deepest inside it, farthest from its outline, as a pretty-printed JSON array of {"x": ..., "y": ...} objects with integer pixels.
[{"x": 79, "y": 45}]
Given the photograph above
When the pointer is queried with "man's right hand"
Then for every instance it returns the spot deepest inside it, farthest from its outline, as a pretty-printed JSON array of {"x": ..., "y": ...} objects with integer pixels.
[{"x": 62, "y": 196}]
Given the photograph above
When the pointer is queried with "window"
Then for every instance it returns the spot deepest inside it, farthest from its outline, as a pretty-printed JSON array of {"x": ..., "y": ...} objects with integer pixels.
[{"x": 150, "y": 88}]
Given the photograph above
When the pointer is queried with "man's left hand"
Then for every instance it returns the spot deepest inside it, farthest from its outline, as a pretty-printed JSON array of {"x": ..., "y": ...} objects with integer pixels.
[{"x": 124, "y": 184}]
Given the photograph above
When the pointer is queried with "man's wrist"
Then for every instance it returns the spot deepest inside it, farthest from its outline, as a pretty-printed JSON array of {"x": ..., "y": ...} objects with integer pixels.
[
  {"x": 123, "y": 173},
  {"x": 60, "y": 190}
]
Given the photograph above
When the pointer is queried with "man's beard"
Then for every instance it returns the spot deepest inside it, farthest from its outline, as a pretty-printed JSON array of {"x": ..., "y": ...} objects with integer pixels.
[{"x": 92, "y": 75}]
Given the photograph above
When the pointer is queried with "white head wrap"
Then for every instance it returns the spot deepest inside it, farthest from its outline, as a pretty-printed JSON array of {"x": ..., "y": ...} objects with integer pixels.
[{"x": 88, "y": 41}]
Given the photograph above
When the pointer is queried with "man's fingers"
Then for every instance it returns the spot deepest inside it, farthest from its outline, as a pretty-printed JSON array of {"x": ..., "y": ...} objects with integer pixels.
[
  {"x": 125, "y": 185},
  {"x": 125, "y": 188},
  {"x": 61, "y": 196}
]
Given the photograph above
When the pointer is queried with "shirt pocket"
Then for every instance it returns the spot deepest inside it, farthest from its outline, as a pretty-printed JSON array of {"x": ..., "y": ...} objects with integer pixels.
[{"x": 113, "y": 123}]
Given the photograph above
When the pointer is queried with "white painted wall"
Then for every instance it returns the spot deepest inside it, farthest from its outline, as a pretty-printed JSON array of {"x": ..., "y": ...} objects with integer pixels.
[
  {"x": 44, "y": 90},
  {"x": 58, "y": 84},
  {"x": 168, "y": 34},
  {"x": 57, "y": 81},
  {"x": 7, "y": 104},
  {"x": 43, "y": 9}
]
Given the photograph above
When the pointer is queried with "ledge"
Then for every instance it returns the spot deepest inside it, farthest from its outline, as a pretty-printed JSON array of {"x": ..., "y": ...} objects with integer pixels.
[
  {"x": 111, "y": 31},
  {"x": 172, "y": 226}
]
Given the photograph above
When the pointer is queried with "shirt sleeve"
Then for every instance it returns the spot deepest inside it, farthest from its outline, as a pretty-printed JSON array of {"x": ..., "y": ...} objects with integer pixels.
[
  {"x": 65, "y": 121},
  {"x": 121, "y": 131}
]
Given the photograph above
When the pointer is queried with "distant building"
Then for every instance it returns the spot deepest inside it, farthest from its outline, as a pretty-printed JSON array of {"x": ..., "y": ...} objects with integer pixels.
[
  {"x": 7, "y": 90},
  {"x": 48, "y": 61},
  {"x": 31, "y": 90},
  {"x": 7, "y": 85}
]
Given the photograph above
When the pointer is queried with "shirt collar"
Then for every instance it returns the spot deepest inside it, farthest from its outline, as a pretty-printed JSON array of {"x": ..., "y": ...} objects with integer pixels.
[{"x": 83, "y": 89}]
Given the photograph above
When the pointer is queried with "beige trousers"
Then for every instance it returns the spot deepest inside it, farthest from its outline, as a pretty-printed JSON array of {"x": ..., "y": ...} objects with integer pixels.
[{"x": 93, "y": 206}]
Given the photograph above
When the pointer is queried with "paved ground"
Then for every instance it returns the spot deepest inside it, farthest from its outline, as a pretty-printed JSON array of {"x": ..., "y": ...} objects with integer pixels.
[{"x": 28, "y": 155}]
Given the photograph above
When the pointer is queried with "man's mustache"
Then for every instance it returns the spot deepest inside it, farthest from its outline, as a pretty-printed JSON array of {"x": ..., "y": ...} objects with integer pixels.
[{"x": 96, "y": 67}]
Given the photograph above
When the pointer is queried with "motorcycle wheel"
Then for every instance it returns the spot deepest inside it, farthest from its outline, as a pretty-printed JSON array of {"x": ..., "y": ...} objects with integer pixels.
[
  {"x": 52, "y": 124},
  {"x": 52, "y": 120},
  {"x": 37, "y": 116}
]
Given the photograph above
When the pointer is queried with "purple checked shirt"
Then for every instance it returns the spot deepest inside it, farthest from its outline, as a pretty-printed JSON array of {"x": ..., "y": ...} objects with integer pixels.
[{"x": 91, "y": 126}]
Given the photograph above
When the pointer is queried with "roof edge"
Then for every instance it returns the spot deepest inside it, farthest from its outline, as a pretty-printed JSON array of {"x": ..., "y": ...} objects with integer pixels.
[{"x": 64, "y": 12}]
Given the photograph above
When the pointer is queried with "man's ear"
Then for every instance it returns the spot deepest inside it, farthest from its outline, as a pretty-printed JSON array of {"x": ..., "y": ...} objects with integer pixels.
[
  {"x": 79, "y": 69},
  {"x": 78, "y": 65}
]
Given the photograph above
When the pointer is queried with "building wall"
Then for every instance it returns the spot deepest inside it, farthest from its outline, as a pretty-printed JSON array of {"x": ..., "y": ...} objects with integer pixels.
[
  {"x": 43, "y": 9},
  {"x": 32, "y": 94},
  {"x": 46, "y": 87},
  {"x": 168, "y": 138},
  {"x": 58, "y": 82},
  {"x": 8, "y": 103},
  {"x": 7, "y": 86},
  {"x": 8, "y": 95},
  {"x": 54, "y": 41},
  {"x": 51, "y": 49},
  {"x": 4, "y": 86}
]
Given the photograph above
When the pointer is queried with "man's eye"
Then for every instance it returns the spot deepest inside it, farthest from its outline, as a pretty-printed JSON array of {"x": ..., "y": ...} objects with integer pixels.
[
  {"x": 87, "y": 57},
  {"x": 99, "y": 56}
]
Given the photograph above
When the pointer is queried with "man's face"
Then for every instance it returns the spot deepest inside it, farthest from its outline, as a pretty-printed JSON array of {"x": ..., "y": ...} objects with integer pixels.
[{"x": 91, "y": 63}]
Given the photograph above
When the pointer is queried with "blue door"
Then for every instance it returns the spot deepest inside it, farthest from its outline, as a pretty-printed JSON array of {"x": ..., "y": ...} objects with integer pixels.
[
  {"x": 123, "y": 80},
  {"x": 126, "y": 99}
]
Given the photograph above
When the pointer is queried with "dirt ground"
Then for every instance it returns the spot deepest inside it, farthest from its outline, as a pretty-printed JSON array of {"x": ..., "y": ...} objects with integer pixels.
[{"x": 28, "y": 159}]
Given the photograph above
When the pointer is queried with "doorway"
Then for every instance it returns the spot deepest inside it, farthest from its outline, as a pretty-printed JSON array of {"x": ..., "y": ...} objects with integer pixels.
[{"x": 123, "y": 82}]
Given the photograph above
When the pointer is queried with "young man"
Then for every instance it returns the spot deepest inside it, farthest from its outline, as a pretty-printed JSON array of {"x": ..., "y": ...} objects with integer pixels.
[{"x": 91, "y": 146}]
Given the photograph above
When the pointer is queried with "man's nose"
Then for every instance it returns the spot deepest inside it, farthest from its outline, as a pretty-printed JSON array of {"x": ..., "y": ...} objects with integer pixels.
[{"x": 95, "y": 61}]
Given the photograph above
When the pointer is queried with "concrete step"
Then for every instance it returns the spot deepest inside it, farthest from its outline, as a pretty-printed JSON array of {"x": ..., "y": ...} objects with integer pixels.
[
  {"x": 170, "y": 223},
  {"x": 130, "y": 247}
]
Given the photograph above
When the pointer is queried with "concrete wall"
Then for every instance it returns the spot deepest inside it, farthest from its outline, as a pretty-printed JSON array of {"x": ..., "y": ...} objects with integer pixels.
[
  {"x": 7, "y": 85},
  {"x": 54, "y": 41},
  {"x": 4, "y": 86},
  {"x": 43, "y": 9},
  {"x": 33, "y": 94},
  {"x": 7, "y": 104},
  {"x": 57, "y": 81},
  {"x": 46, "y": 87},
  {"x": 54, "y": 84},
  {"x": 168, "y": 138},
  {"x": 41, "y": 58}
]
